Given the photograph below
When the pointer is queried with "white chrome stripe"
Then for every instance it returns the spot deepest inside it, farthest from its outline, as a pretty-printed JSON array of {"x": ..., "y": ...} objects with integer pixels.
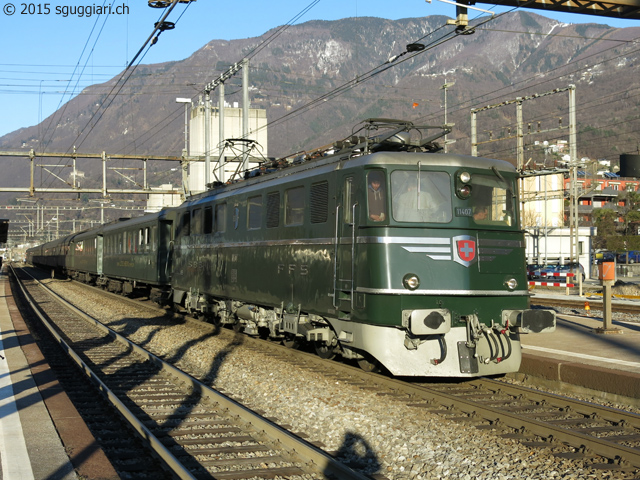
[
  {"x": 428, "y": 249},
  {"x": 410, "y": 240},
  {"x": 322, "y": 241},
  {"x": 479, "y": 293}
]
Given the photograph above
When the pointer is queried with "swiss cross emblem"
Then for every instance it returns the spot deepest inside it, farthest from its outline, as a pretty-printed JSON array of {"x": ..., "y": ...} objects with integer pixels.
[{"x": 465, "y": 250}]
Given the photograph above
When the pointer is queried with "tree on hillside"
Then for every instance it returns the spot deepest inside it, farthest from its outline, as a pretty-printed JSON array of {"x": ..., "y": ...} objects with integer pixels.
[
  {"x": 631, "y": 213},
  {"x": 605, "y": 221}
]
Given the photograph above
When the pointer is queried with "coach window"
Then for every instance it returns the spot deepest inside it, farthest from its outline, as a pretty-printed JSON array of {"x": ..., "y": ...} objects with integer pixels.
[
  {"x": 220, "y": 220},
  {"x": 208, "y": 220},
  {"x": 294, "y": 206},
  {"x": 196, "y": 221},
  {"x": 254, "y": 213},
  {"x": 153, "y": 238}
]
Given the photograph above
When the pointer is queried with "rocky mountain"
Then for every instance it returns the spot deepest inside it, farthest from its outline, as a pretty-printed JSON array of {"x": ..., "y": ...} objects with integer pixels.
[{"x": 515, "y": 55}]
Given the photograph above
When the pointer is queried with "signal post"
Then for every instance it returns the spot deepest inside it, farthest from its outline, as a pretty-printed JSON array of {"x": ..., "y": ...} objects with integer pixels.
[{"x": 607, "y": 275}]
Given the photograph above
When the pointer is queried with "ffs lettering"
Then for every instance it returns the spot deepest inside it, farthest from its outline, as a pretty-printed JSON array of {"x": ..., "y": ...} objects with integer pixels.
[{"x": 292, "y": 269}]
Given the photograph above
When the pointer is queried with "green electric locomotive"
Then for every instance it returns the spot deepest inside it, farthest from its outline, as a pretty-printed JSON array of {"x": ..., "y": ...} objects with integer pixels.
[{"x": 377, "y": 249}]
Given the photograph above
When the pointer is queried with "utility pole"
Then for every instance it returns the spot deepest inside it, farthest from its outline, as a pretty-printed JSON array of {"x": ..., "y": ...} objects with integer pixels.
[
  {"x": 573, "y": 152},
  {"x": 221, "y": 175},
  {"x": 207, "y": 137},
  {"x": 219, "y": 82},
  {"x": 245, "y": 111},
  {"x": 445, "y": 87}
]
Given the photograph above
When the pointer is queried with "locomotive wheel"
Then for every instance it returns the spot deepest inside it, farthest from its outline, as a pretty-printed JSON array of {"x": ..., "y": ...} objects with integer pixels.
[
  {"x": 324, "y": 351},
  {"x": 291, "y": 341},
  {"x": 369, "y": 364}
]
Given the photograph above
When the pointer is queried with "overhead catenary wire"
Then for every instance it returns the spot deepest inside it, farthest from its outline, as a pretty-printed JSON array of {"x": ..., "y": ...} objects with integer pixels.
[
  {"x": 122, "y": 80},
  {"x": 326, "y": 94}
]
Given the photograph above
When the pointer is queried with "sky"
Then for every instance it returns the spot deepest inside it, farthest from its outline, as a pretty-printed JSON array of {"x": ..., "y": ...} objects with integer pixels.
[{"x": 53, "y": 50}]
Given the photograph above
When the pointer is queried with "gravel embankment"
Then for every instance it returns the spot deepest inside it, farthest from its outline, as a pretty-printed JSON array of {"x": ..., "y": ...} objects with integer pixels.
[{"x": 377, "y": 434}]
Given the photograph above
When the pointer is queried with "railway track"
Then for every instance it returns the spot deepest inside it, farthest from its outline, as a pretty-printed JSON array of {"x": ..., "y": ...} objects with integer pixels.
[
  {"x": 605, "y": 438},
  {"x": 196, "y": 431}
]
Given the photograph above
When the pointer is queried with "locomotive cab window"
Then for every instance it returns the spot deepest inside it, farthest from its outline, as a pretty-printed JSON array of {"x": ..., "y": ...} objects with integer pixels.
[
  {"x": 376, "y": 196},
  {"x": 494, "y": 200},
  {"x": 294, "y": 206},
  {"x": 421, "y": 196}
]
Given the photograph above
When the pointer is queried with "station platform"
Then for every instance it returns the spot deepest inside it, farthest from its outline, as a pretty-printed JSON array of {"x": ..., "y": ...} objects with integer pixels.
[
  {"x": 576, "y": 357},
  {"x": 42, "y": 436}
]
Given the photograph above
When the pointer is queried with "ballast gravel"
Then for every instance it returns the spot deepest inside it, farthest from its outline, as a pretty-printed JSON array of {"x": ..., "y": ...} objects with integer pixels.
[{"x": 373, "y": 434}]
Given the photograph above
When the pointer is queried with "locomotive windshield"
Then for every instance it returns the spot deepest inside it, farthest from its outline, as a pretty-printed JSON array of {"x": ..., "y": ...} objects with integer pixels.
[
  {"x": 421, "y": 196},
  {"x": 493, "y": 200}
]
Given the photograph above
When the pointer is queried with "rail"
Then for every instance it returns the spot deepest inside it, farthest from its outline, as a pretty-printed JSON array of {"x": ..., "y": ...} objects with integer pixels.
[{"x": 312, "y": 458}]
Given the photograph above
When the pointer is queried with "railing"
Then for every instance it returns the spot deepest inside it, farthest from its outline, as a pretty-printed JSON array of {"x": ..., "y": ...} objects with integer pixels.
[{"x": 562, "y": 280}]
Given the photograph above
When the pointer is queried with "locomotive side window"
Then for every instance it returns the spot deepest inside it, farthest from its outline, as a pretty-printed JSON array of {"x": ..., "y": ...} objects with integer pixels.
[
  {"x": 208, "y": 220},
  {"x": 221, "y": 215},
  {"x": 294, "y": 206},
  {"x": 376, "y": 196},
  {"x": 254, "y": 213},
  {"x": 273, "y": 209},
  {"x": 421, "y": 196},
  {"x": 186, "y": 224},
  {"x": 319, "y": 202},
  {"x": 196, "y": 221}
]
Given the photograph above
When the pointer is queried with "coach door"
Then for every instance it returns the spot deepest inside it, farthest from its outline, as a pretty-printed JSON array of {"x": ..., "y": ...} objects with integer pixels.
[
  {"x": 99, "y": 247},
  {"x": 344, "y": 245},
  {"x": 165, "y": 249}
]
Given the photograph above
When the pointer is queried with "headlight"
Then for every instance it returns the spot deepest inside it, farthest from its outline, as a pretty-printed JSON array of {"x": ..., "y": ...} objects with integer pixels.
[
  {"x": 463, "y": 187},
  {"x": 511, "y": 284},
  {"x": 464, "y": 191},
  {"x": 411, "y": 281},
  {"x": 465, "y": 177}
]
